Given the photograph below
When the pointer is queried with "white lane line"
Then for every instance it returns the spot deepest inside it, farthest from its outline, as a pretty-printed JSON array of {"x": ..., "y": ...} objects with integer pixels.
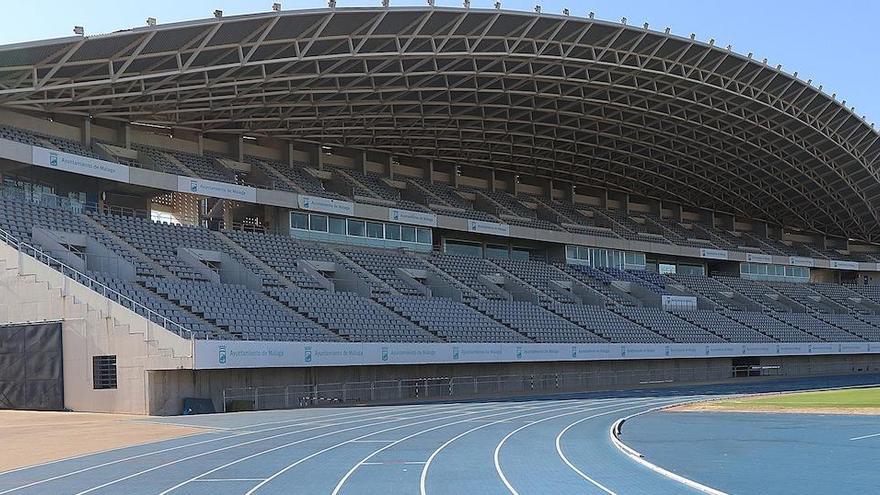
[
  {"x": 865, "y": 436},
  {"x": 497, "y": 455},
  {"x": 360, "y": 417},
  {"x": 262, "y": 439},
  {"x": 572, "y": 466},
  {"x": 322, "y": 451},
  {"x": 424, "y": 476},
  {"x": 185, "y": 425},
  {"x": 228, "y": 480},
  {"x": 373, "y": 441},
  {"x": 392, "y": 463},
  {"x": 639, "y": 458},
  {"x": 438, "y": 410},
  {"x": 375, "y": 452},
  {"x": 168, "y": 449}
]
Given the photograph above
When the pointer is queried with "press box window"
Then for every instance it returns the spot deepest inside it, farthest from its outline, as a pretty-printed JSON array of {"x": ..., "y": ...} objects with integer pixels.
[
  {"x": 423, "y": 236},
  {"x": 300, "y": 221},
  {"x": 375, "y": 230},
  {"x": 356, "y": 228},
  {"x": 318, "y": 223},
  {"x": 392, "y": 232},
  {"x": 337, "y": 225},
  {"x": 408, "y": 234},
  {"x": 104, "y": 372}
]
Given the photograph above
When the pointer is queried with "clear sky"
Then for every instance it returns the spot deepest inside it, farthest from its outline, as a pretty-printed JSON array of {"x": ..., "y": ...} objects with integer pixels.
[{"x": 834, "y": 43}]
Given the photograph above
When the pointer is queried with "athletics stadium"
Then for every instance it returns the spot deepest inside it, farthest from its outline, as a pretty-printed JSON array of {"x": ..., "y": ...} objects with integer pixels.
[{"x": 533, "y": 249}]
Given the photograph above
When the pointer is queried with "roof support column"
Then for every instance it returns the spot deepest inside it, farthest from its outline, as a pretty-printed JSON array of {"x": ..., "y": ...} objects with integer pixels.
[
  {"x": 316, "y": 154},
  {"x": 571, "y": 193},
  {"x": 430, "y": 171},
  {"x": 87, "y": 131},
  {"x": 391, "y": 167},
  {"x": 492, "y": 180},
  {"x": 200, "y": 143},
  {"x": 360, "y": 161},
  {"x": 676, "y": 212},
  {"x": 124, "y": 137},
  {"x": 289, "y": 154},
  {"x": 238, "y": 148}
]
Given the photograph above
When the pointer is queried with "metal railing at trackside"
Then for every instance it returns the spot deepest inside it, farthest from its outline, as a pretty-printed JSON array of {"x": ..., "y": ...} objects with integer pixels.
[
  {"x": 472, "y": 387},
  {"x": 94, "y": 285}
]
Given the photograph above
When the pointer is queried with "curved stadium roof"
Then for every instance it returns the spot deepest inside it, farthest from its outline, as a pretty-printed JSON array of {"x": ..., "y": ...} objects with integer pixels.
[{"x": 567, "y": 98}]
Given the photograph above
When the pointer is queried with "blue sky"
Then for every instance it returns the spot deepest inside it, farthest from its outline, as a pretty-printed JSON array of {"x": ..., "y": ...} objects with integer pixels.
[{"x": 832, "y": 43}]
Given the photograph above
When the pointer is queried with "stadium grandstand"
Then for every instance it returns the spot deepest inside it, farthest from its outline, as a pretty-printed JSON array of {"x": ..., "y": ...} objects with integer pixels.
[{"x": 360, "y": 194}]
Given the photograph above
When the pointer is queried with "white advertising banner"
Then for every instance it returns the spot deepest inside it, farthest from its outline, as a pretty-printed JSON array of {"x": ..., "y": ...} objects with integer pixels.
[
  {"x": 325, "y": 205},
  {"x": 217, "y": 354},
  {"x": 844, "y": 265},
  {"x": 412, "y": 217},
  {"x": 715, "y": 254},
  {"x": 801, "y": 261},
  {"x": 77, "y": 164},
  {"x": 489, "y": 228},
  {"x": 215, "y": 189},
  {"x": 759, "y": 258}
]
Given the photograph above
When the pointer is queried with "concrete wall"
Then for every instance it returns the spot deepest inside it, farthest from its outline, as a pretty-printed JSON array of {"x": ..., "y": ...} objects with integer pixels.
[
  {"x": 168, "y": 388},
  {"x": 92, "y": 325}
]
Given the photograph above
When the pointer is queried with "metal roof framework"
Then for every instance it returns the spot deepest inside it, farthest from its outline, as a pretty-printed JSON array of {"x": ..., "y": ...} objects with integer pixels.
[{"x": 565, "y": 98}]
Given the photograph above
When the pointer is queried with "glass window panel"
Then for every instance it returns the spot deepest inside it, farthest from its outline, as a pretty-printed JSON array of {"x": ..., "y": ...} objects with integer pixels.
[
  {"x": 519, "y": 254},
  {"x": 299, "y": 221},
  {"x": 356, "y": 228},
  {"x": 463, "y": 248},
  {"x": 665, "y": 268},
  {"x": 423, "y": 236},
  {"x": 407, "y": 234},
  {"x": 497, "y": 252},
  {"x": 337, "y": 225},
  {"x": 318, "y": 223},
  {"x": 392, "y": 231},
  {"x": 375, "y": 230}
]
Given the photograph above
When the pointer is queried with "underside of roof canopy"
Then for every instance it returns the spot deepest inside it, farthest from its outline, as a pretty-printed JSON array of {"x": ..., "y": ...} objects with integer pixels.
[{"x": 571, "y": 99}]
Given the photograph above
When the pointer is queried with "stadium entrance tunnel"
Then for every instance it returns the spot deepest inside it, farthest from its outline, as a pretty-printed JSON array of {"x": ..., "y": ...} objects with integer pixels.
[
  {"x": 280, "y": 388},
  {"x": 31, "y": 370}
]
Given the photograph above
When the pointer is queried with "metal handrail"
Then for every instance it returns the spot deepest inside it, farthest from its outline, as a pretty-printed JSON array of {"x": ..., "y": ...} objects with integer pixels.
[{"x": 93, "y": 284}]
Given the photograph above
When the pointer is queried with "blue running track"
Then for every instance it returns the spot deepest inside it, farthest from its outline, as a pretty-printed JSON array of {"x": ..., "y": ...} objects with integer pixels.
[{"x": 555, "y": 445}]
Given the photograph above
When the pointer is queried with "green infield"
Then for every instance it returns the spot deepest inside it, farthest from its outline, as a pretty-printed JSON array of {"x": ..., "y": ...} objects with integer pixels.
[{"x": 856, "y": 401}]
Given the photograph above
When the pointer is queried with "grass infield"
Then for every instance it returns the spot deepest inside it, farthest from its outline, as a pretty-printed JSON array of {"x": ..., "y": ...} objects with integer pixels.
[{"x": 847, "y": 401}]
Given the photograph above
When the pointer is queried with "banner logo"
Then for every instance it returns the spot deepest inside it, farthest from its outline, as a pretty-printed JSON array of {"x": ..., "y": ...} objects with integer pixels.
[
  {"x": 221, "y": 354},
  {"x": 574, "y": 352},
  {"x": 384, "y": 354},
  {"x": 519, "y": 352},
  {"x": 53, "y": 159},
  {"x": 193, "y": 186},
  {"x": 308, "y": 354}
]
